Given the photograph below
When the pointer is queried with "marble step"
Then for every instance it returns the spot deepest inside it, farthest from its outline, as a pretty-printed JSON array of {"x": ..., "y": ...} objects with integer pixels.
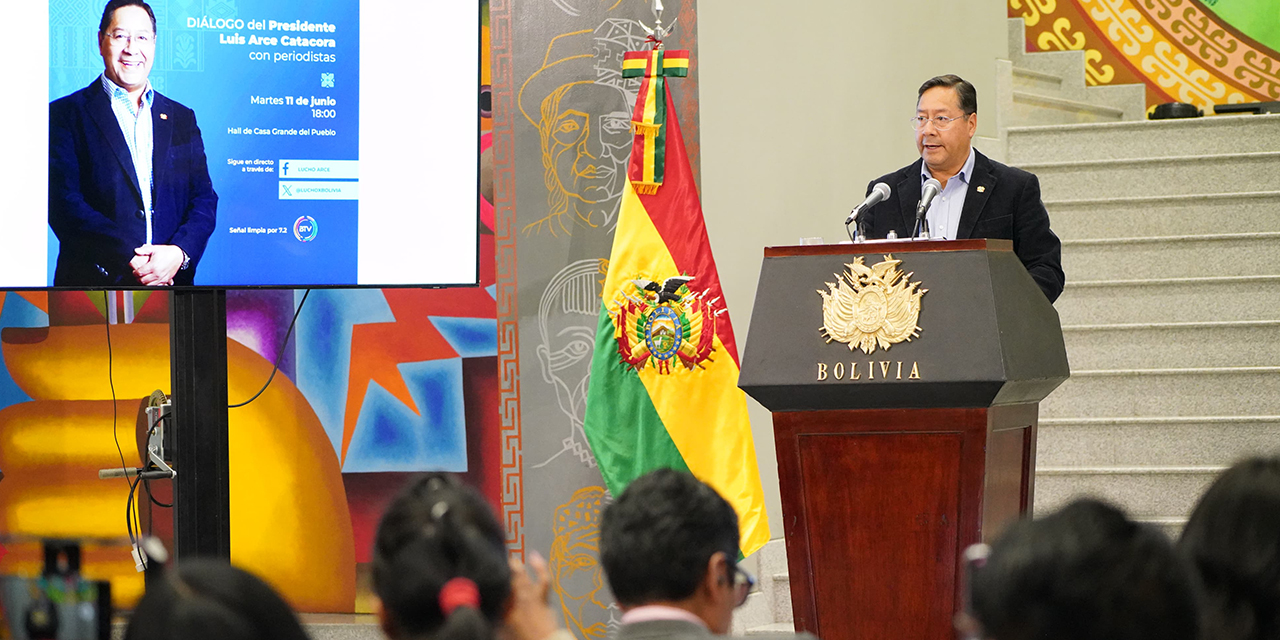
[
  {"x": 1068, "y": 66},
  {"x": 782, "y": 610},
  {"x": 771, "y": 629},
  {"x": 1145, "y": 138},
  {"x": 1155, "y": 441},
  {"x": 1210, "y": 391},
  {"x": 1172, "y": 256},
  {"x": 1200, "y": 299},
  {"x": 1226, "y": 343},
  {"x": 1147, "y": 493},
  {"x": 1032, "y": 81},
  {"x": 1031, "y": 109},
  {"x": 1128, "y": 217},
  {"x": 1157, "y": 175}
]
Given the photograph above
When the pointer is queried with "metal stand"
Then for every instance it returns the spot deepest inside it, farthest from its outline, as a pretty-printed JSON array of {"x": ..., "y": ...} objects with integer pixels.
[{"x": 198, "y": 369}]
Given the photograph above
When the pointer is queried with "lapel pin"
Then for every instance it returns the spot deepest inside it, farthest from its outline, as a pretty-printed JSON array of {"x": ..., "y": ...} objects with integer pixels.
[
  {"x": 980, "y": 187},
  {"x": 165, "y": 116}
]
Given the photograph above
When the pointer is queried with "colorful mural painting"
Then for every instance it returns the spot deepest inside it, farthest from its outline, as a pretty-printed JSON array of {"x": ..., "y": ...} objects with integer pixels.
[
  {"x": 1201, "y": 52},
  {"x": 374, "y": 385}
]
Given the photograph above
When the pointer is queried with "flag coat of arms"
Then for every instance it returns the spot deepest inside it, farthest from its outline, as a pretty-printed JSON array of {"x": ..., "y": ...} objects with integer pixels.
[{"x": 664, "y": 375}]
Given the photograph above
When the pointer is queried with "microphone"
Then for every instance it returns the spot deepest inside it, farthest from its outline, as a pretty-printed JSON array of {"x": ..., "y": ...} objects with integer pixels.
[
  {"x": 928, "y": 192},
  {"x": 879, "y": 193}
]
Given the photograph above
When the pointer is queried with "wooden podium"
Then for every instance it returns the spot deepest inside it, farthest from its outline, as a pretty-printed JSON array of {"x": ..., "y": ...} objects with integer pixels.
[{"x": 891, "y": 463}]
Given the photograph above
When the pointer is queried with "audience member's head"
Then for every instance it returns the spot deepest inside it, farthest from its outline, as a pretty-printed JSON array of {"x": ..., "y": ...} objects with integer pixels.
[
  {"x": 212, "y": 600},
  {"x": 1233, "y": 541},
  {"x": 670, "y": 539},
  {"x": 1086, "y": 571},
  {"x": 440, "y": 563}
]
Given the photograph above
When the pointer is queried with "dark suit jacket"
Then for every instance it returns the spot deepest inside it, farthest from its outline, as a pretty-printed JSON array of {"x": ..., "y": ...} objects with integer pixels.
[
  {"x": 1008, "y": 207},
  {"x": 95, "y": 203},
  {"x": 681, "y": 630}
]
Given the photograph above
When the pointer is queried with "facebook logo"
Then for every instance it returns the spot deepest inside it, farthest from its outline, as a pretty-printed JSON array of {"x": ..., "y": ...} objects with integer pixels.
[{"x": 284, "y": 169}]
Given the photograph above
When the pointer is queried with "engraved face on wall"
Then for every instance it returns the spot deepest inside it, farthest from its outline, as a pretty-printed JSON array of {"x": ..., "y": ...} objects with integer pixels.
[
  {"x": 581, "y": 107},
  {"x": 575, "y": 566},
  {"x": 567, "y": 316},
  {"x": 585, "y": 152}
]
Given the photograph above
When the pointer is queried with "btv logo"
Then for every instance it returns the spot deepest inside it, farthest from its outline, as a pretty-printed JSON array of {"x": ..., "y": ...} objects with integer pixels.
[{"x": 305, "y": 229}]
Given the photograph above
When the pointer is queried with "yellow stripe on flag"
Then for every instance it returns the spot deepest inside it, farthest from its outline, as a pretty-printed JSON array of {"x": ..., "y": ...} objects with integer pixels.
[{"x": 703, "y": 410}]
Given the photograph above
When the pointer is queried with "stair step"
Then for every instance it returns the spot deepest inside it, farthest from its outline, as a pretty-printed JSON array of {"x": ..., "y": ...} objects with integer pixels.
[
  {"x": 1158, "y": 176},
  {"x": 782, "y": 610},
  {"x": 1040, "y": 109},
  {"x": 1145, "y": 492},
  {"x": 1036, "y": 81},
  {"x": 1256, "y": 211},
  {"x": 772, "y": 629},
  {"x": 755, "y": 612},
  {"x": 1177, "y": 441},
  {"x": 1154, "y": 345},
  {"x": 1145, "y": 138},
  {"x": 1171, "y": 527},
  {"x": 1170, "y": 300},
  {"x": 341, "y": 626},
  {"x": 1172, "y": 256},
  {"x": 1166, "y": 392}
]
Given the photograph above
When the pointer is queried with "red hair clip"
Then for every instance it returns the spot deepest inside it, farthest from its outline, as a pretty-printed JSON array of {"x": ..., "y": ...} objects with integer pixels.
[{"x": 459, "y": 592}]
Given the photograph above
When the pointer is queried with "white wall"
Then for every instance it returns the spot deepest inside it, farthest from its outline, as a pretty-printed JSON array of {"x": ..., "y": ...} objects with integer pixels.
[{"x": 802, "y": 105}]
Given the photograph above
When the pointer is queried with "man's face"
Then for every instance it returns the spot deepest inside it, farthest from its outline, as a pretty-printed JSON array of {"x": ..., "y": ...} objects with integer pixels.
[
  {"x": 944, "y": 151},
  {"x": 128, "y": 48},
  {"x": 590, "y": 151}
]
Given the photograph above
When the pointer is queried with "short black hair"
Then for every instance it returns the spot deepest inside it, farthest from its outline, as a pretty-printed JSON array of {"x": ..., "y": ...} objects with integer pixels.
[
  {"x": 964, "y": 91},
  {"x": 1086, "y": 571},
  {"x": 205, "y": 599},
  {"x": 1233, "y": 541},
  {"x": 436, "y": 530},
  {"x": 658, "y": 536},
  {"x": 110, "y": 12}
]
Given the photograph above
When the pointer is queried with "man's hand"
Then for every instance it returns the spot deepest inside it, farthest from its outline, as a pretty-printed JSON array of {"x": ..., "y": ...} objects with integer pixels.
[
  {"x": 155, "y": 264},
  {"x": 530, "y": 617}
]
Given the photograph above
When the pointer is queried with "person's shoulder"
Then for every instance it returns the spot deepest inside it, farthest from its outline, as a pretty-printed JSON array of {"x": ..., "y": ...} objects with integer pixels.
[{"x": 75, "y": 99}]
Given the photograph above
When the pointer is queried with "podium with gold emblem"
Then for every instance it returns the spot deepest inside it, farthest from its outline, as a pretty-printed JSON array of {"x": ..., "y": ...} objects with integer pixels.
[{"x": 904, "y": 380}]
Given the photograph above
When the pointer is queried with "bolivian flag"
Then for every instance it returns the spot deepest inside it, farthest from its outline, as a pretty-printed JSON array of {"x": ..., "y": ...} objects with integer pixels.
[{"x": 664, "y": 375}]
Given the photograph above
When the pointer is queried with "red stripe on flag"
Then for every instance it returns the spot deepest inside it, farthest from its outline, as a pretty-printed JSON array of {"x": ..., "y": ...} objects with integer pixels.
[{"x": 676, "y": 212}]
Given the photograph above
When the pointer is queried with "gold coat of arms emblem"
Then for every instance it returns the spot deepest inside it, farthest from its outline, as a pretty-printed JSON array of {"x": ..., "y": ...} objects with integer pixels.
[{"x": 870, "y": 307}]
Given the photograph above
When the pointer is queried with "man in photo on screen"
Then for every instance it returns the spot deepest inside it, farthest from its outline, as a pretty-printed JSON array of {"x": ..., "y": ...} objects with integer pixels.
[{"x": 130, "y": 197}]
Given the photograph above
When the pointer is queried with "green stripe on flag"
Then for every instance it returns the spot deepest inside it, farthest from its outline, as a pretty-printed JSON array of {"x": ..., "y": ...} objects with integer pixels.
[{"x": 622, "y": 425}]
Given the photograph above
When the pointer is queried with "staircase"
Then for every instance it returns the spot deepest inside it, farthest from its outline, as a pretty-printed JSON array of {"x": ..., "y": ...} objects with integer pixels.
[
  {"x": 1171, "y": 314},
  {"x": 1171, "y": 246}
]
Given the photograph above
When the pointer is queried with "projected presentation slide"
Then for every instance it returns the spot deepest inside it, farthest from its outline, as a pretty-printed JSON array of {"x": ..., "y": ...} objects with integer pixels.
[{"x": 226, "y": 144}]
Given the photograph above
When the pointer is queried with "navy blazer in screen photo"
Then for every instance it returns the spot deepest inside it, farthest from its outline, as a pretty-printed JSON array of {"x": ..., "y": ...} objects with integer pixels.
[{"x": 95, "y": 203}]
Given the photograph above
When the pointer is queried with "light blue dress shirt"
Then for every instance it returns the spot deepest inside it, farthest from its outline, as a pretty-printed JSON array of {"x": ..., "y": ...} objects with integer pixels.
[
  {"x": 944, "y": 213},
  {"x": 139, "y": 134}
]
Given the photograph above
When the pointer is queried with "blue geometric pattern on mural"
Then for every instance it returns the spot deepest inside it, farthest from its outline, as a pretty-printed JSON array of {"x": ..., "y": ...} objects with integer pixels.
[
  {"x": 324, "y": 348},
  {"x": 493, "y": 290},
  {"x": 390, "y": 437},
  {"x": 17, "y": 312},
  {"x": 470, "y": 337}
]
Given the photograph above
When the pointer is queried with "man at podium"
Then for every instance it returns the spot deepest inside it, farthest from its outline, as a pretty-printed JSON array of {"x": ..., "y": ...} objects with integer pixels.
[{"x": 980, "y": 198}]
